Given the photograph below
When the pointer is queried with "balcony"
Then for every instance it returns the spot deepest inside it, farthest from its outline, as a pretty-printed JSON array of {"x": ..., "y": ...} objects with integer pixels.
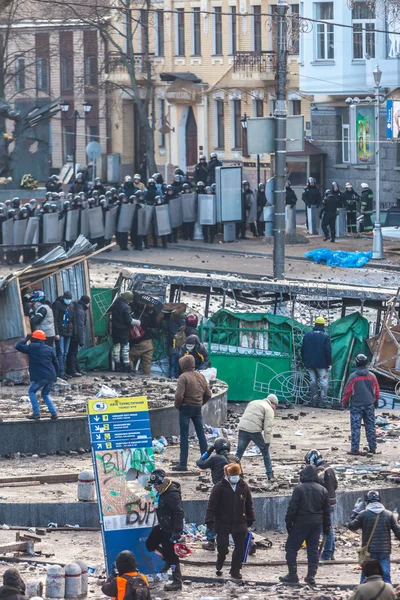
[
  {"x": 254, "y": 65},
  {"x": 117, "y": 64}
]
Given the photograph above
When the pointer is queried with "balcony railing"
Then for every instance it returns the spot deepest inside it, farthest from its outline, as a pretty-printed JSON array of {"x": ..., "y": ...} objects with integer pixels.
[
  {"x": 254, "y": 62},
  {"x": 118, "y": 63}
]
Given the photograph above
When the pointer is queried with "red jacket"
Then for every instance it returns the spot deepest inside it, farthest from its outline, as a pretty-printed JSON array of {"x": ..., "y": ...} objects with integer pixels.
[{"x": 362, "y": 389}]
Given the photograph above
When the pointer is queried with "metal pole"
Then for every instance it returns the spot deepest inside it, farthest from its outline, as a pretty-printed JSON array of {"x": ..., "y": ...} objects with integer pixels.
[
  {"x": 377, "y": 240},
  {"x": 258, "y": 170},
  {"x": 280, "y": 142},
  {"x": 74, "y": 156}
]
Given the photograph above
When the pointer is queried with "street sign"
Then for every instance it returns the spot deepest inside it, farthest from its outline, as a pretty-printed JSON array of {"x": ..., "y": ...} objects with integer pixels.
[
  {"x": 123, "y": 459},
  {"x": 261, "y": 134},
  {"x": 93, "y": 150},
  {"x": 389, "y": 119}
]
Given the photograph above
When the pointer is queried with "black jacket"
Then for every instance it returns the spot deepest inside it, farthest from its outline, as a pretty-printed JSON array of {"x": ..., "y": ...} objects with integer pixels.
[
  {"x": 170, "y": 509},
  {"x": 261, "y": 200},
  {"x": 81, "y": 318},
  {"x": 327, "y": 478},
  {"x": 309, "y": 504},
  {"x": 14, "y": 587},
  {"x": 43, "y": 364},
  {"x": 351, "y": 199},
  {"x": 316, "y": 351},
  {"x": 216, "y": 462},
  {"x": 367, "y": 198},
  {"x": 121, "y": 319},
  {"x": 291, "y": 197},
  {"x": 54, "y": 186},
  {"x": 64, "y": 318},
  {"x": 312, "y": 196},
  {"x": 229, "y": 510},
  {"x": 200, "y": 354},
  {"x": 201, "y": 172},
  {"x": 381, "y": 540},
  {"x": 212, "y": 165},
  {"x": 330, "y": 205}
]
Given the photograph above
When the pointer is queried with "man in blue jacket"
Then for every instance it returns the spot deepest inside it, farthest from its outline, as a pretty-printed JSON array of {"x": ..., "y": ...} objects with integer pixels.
[
  {"x": 43, "y": 370},
  {"x": 316, "y": 354}
]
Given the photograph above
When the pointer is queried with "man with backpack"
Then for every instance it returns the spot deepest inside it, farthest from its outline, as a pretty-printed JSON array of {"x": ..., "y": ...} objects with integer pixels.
[{"x": 129, "y": 584}]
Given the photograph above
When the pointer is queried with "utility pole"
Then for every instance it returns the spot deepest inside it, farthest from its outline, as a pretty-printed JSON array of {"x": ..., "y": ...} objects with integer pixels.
[
  {"x": 280, "y": 142},
  {"x": 377, "y": 241}
]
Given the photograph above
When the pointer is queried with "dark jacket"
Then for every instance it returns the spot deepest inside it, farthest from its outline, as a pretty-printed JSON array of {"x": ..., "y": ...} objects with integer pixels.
[
  {"x": 367, "y": 198},
  {"x": 261, "y": 200},
  {"x": 309, "y": 504},
  {"x": 135, "y": 584},
  {"x": 316, "y": 351},
  {"x": 54, "y": 186},
  {"x": 381, "y": 540},
  {"x": 201, "y": 172},
  {"x": 43, "y": 363},
  {"x": 64, "y": 318},
  {"x": 351, "y": 200},
  {"x": 192, "y": 388},
  {"x": 291, "y": 197},
  {"x": 81, "y": 319},
  {"x": 362, "y": 389},
  {"x": 216, "y": 463},
  {"x": 79, "y": 186},
  {"x": 212, "y": 165},
  {"x": 14, "y": 587},
  {"x": 229, "y": 510},
  {"x": 200, "y": 354},
  {"x": 169, "y": 509},
  {"x": 327, "y": 478},
  {"x": 330, "y": 206},
  {"x": 372, "y": 589},
  {"x": 121, "y": 319},
  {"x": 311, "y": 196}
]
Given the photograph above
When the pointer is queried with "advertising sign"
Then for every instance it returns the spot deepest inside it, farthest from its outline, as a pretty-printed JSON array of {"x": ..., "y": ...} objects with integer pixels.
[
  {"x": 389, "y": 119},
  {"x": 396, "y": 119},
  {"x": 365, "y": 134},
  {"x": 123, "y": 459}
]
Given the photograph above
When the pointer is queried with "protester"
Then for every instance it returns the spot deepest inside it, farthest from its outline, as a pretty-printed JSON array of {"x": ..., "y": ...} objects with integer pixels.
[
  {"x": 307, "y": 513},
  {"x": 43, "y": 370},
  {"x": 316, "y": 354},
  {"x": 121, "y": 323},
  {"x": 129, "y": 584},
  {"x": 64, "y": 323},
  {"x": 230, "y": 512},
  {"x": 376, "y": 524},
  {"x": 367, "y": 201},
  {"x": 41, "y": 316},
  {"x": 249, "y": 206},
  {"x": 327, "y": 478},
  {"x": 362, "y": 393},
  {"x": 13, "y": 587},
  {"x": 255, "y": 426},
  {"x": 191, "y": 323},
  {"x": 373, "y": 588},
  {"x": 174, "y": 327},
  {"x": 169, "y": 509},
  {"x": 195, "y": 348},
  {"x": 78, "y": 339},
  {"x": 141, "y": 347}
]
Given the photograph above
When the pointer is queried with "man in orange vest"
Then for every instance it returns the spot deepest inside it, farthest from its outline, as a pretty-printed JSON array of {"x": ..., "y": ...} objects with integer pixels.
[{"x": 129, "y": 584}]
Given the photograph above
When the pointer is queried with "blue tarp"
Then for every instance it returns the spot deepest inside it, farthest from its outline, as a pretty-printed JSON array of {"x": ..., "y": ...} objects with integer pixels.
[{"x": 349, "y": 260}]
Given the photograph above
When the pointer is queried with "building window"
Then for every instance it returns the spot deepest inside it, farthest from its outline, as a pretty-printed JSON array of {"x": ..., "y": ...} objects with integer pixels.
[
  {"x": 363, "y": 18},
  {"x": 257, "y": 28},
  {"x": 196, "y": 32},
  {"x": 217, "y": 30},
  {"x": 161, "y": 122},
  {"x": 325, "y": 31},
  {"x": 258, "y": 108},
  {"x": 180, "y": 32},
  {"x": 42, "y": 74},
  {"x": 68, "y": 142},
  {"x": 295, "y": 107},
  {"x": 90, "y": 71},
  {"x": 93, "y": 133},
  {"x": 20, "y": 74},
  {"x": 233, "y": 30},
  {"x": 345, "y": 144},
  {"x": 272, "y": 102},
  {"x": 66, "y": 73},
  {"x": 220, "y": 124},
  {"x": 237, "y": 125},
  {"x": 159, "y": 50}
]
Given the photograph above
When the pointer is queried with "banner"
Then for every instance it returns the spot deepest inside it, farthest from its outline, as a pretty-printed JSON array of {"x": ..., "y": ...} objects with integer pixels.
[
  {"x": 389, "y": 119},
  {"x": 365, "y": 134},
  {"x": 123, "y": 459}
]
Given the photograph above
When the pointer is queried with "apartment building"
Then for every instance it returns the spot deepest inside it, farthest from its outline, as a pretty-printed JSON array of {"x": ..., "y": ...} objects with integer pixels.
[{"x": 213, "y": 63}]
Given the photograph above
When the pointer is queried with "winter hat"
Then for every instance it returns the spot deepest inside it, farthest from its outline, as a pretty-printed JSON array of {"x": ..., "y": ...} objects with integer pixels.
[
  {"x": 85, "y": 299},
  {"x": 125, "y": 562},
  {"x": 232, "y": 469},
  {"x": 67, "y": 295},
  {"x": 364, "y": 186},
  {"x": 273, "y": 399}
]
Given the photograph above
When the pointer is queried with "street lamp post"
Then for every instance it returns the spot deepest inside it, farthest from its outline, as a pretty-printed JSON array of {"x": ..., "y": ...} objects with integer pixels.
[
  {"x": 377, "y": 240},
  {"x": 87, "y": 107}
]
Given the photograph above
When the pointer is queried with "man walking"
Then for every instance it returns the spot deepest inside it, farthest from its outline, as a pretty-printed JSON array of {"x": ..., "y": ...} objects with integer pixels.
[
  {"x": 307, "y": 513},
  {"x": 316, "y": 354},
  {"x": 43, "y": 370},
  {"x": 255, "y": 426},
  {"x": 192, "y": 392},
  {"x": 362, "y": 393},
  {"x": 376, "y": 524},
  {"x": 64, "y": 323}
]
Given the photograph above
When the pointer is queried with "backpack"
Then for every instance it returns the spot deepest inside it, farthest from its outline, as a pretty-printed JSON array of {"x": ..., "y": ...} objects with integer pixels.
[
  {"x": 180, "y": 337},
  {"x": 136, "y": 588}
]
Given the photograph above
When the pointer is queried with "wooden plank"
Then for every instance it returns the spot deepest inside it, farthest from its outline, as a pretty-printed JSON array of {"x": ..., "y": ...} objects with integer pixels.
[
  {"x": 39, "y": 479},
  {"x": 27, "y": 537},
  {"x": 20, "y": 484},
  {"x": 15, "y": 547}
]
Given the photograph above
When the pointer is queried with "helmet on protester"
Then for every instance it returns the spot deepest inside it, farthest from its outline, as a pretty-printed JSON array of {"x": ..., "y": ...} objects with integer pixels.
[
  {"x": 372, "y": 496},
  {"x": 245, "y": 183},
  {"x": 191, "y": 320},
  {"x": 151, "y": 182},
  {"x": 37, "y": 296},
  {"x": 128, "y": 179},
  {"x": 313, "y": 457},
  {"x": 222, "y": 444},
  {"x": 320, "y": 321},
  {"x": 157, "y": 477},
  {"x": 39, "y": 335},
  {"x": 361, "y": 360},
  {"x": 137, "y": 177}
]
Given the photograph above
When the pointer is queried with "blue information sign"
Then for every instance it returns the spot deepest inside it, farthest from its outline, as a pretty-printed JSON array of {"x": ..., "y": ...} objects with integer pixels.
[{"x": 389, "y": 119}]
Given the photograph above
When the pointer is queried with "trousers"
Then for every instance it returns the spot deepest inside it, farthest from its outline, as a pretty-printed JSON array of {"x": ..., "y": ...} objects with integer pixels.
[
  {"x": 329, "y": 546},
  {"x": 159, "y": 537},
  {"x": 310, "y": 533},
  {"x": 318, "y": 377},
  {"x": 62, "y": 347},
  {"x": 187, "y": 414},
  {"x": 384, "y": 561},
  {"x": 329, "y": 226},
  {"x": 144, "y": 351},
  {"x": 239, "y": 539},
  {"x": 244, "y": 439},
  {"x": 121, "y": 351},
  {"x": 45, "y": 386},
  {"x": 366, "y": 414}
]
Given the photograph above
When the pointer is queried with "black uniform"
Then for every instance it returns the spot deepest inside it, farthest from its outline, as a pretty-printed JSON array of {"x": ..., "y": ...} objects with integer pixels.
[
  {"x": 212, "y": 165},
  {"x": 351, "y": 202},
  {"x": 201, "y": 172},
  {"x": 367, "y": 198},
  {"x": 311, "y": 196},
  {"x": 261, "y": 202},
  {"x": 291, "y": 197},
  {"x": 328, "y": 214},
  {"x": 216, "y": 463}
]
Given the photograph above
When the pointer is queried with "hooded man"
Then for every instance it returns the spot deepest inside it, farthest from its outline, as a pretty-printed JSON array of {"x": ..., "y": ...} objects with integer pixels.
[
  {"x": 367, "y": 200},
  {"x": 316, "y": 354},
  {"x": 169, "y": 509},
  {"x": 255, "y": 426},
  {"x": 307, "y": 513},
  {"x": 13, "y": 587},
  {"x": 199, "y": 352},
  {"x": 230, "y": 511},
  {"x": 373, "y": 586},
  {"x": 362, "y": 393},
  {"x": 129, "y": 584},
  {"x": 192, "y": 392},
  {"x": 376, "y": 524},
  {"x": 64, "y": 322}
]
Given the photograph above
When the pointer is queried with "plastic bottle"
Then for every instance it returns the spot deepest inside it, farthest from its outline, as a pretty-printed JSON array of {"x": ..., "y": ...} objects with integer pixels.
[
  {"x": 73, "y": 586},
  {"x": 55, "y": 582}
]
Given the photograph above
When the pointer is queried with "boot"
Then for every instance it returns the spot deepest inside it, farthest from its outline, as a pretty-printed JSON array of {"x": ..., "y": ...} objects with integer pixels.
[
  {"x": 117, "y": 367},
  {"x": 176, "y": 583},
  {"x": 219, "y": 564},
  {"x": 209, "y": 546},
  {"x": 291, "y": 577},
  {"x": 311, "y": 573}
]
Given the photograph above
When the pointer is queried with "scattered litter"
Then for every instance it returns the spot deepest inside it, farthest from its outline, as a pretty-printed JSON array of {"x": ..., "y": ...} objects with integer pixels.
[
  {"x": 107, "y": 392},
  {"x": 339, "y": 259}
]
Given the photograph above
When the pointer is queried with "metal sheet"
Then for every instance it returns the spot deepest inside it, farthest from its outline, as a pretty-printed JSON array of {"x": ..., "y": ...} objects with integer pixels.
[
  {"x": 110, "y": 223},
  {"x": 96, "y": 224},
  {"x": 290, "y": 217},
  {"x": 19, "y": 231},
  {"x": 313, "y": 220},
  {"x": 13, "y": 364},
  {"x": 252, "y": 211},
  {"x": 268, "y": 212},
  {"x": 189, "y": 208},
  {"x": 125, "y": 219},
  {"x": 50, "y": 228},
  {"x": 229, "y": 232},
  {"x": 31, "y": 230},
  {"x": 11, "y": 322},
  {"x": 84, "y": 227},
  {"x": 162, "y": 225},
  {"x": 229, "y": 194},
  {"x": 207, "y": 209},
  {"x": 72, "y": 226},
  {"x": 61, "y": 224},
  {"x": 175, "y": 212},
  {"x": 7, "y": 228},
  {"x": 145, "y": 215},
  {"x": 341, "y": 223}
]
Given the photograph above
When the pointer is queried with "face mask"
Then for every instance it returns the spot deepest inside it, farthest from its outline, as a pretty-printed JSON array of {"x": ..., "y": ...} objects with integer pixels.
[
  {"x": 190, "y": 348},
  {"x": 234, "y": 478},
  {"x": 66, "y": 301}
]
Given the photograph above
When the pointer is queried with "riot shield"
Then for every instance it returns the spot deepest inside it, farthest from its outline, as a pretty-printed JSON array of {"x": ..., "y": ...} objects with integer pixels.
[
  {"x": 19, "y": 231},
  {"x": 125, "y": 219},
  {"x": 7, "y": 228},
  {"x": 50, "y": 228},
  {"x": 84, "y": 226},
  {"x": 96, "y": 225},
  {"x": 72, "y": 226},
  {"x": 61, "y": 223},
  {"x": 31, "y": 230},
  {"x": 145, "y": 215},
  {"x": 189, "y": 208},
  {"x": 110, "y": 224},
  {"x": 175, "y": 212},
  {"x": 162, "y": 225},
  {"x": 252, "y": 211},
  {"x": 207, "y": 209}
]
